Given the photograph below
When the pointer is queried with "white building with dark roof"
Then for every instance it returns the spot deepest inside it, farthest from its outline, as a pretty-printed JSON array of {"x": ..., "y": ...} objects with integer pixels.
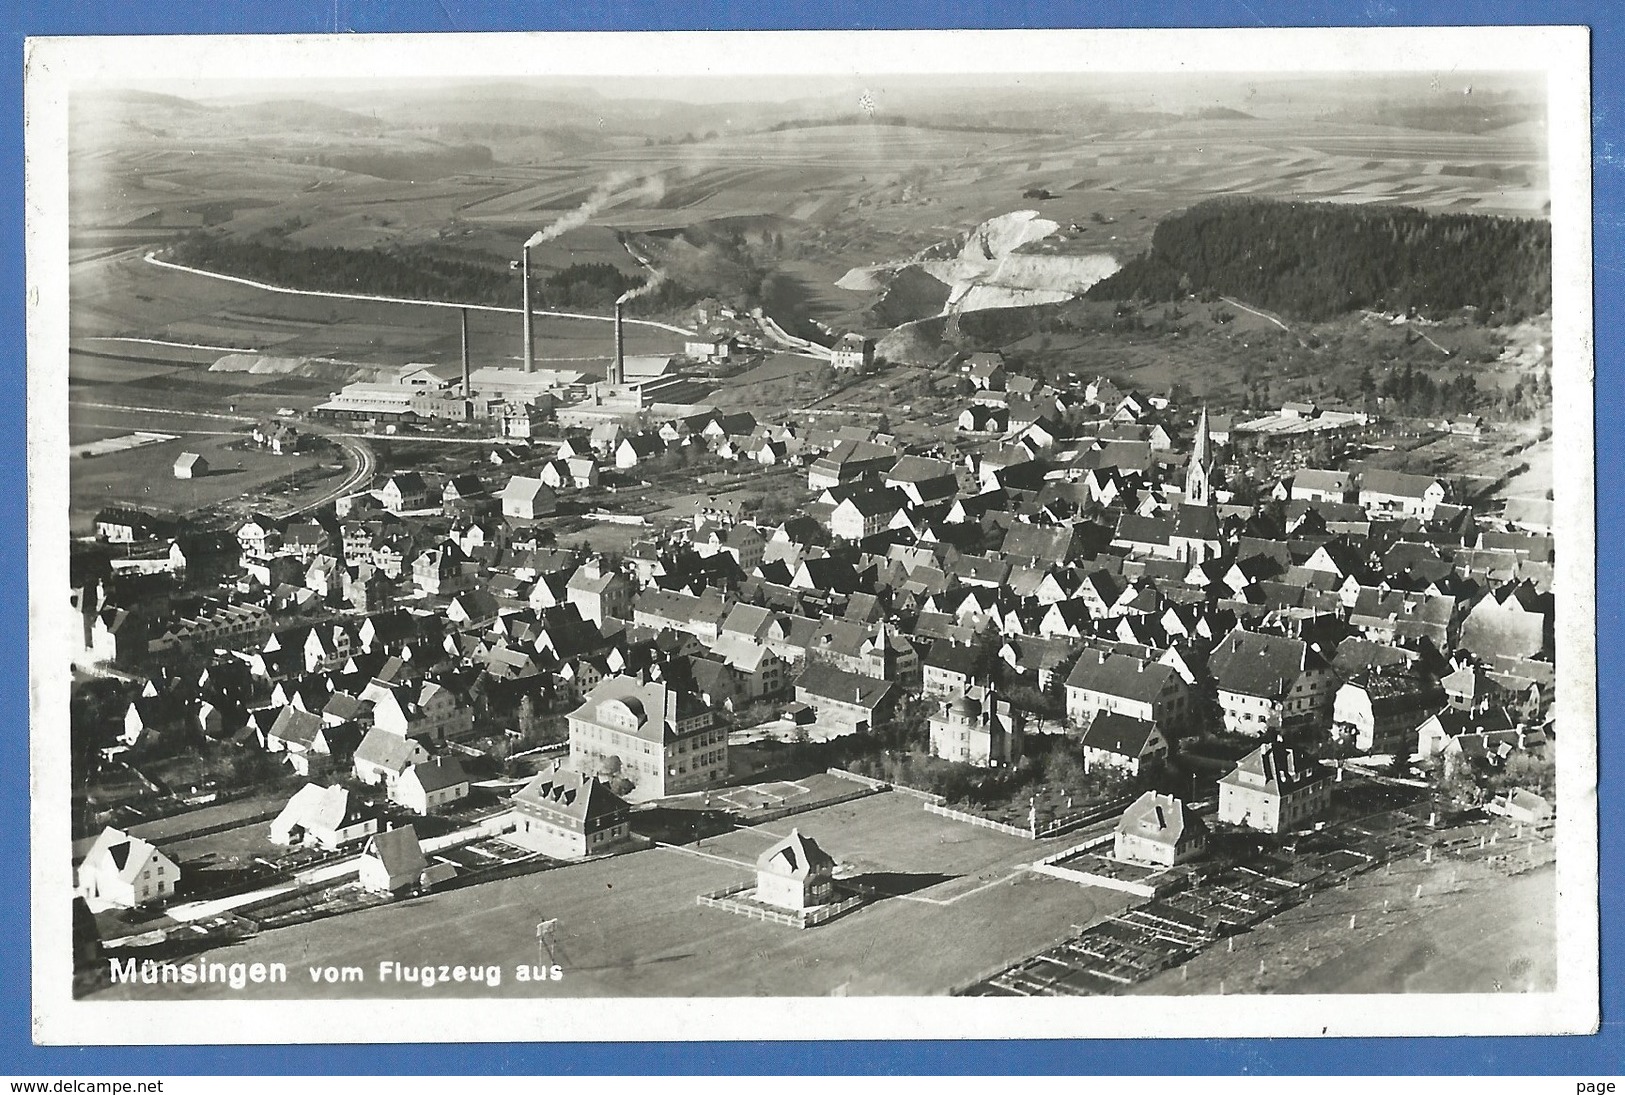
[
  {"x": 795, "y": 874},
  {"x": 1122, "y": 742},
  {"x": 428, "y": 785},
  {"x": 1274, "y": 790},
  {"x": 1159, "y": 830},
  {"x": 124, "y": 871},
  {"x": 567, "y": 815}
]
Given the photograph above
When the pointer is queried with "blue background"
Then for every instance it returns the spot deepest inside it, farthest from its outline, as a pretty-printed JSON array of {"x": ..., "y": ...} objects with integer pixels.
[{"x": 1598, "y": 1055}]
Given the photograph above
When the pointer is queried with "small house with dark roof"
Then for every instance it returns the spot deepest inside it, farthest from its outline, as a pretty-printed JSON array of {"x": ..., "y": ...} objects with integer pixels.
[
  {"x": 428, "y": 785},
  {"x": 383, "y": 756},
  {"x": 1122, "y": 742},
  {"x": 795, "y": 874},
  {"x": 392, "y": 861},
  {"x": 1274, "y": 790},
  {"x": 949, "y": 668},
  {"x": 1159, "y": 830},
  {"x": 1435, "y": 734},
  {"x": 404, "y": 491},
  {"x": 568, "y": 815}
]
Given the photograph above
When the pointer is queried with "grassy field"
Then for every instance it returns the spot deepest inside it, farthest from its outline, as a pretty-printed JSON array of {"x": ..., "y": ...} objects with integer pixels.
[
  {"x": 130, "y": 298},
  {"x": 143, "y": 477},
  {"x": 839, "y": 196},
  {"x": 1471, "y": 930},
  {"x": 630, "y": 925}
]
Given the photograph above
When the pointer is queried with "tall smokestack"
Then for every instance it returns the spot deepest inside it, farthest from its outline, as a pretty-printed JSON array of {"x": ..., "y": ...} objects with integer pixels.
[
  {"x": 468, "y": 388},
  {"x": 618, "y": 367},
  {"x": 530, "y": 342}
]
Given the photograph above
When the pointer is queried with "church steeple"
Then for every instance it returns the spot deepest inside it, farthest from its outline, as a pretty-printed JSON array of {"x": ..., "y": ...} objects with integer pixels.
[{"x": 1199, "y": 472}]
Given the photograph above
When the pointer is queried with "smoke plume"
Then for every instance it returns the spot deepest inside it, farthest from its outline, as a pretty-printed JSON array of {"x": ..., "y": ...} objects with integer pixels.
[
  {"x": 650, "y": 284},
  {"x": 649, "y": 189}
]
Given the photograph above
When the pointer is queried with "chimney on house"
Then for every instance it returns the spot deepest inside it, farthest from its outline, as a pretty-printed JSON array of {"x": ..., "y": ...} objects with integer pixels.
[{"x": 530, "y": 319}]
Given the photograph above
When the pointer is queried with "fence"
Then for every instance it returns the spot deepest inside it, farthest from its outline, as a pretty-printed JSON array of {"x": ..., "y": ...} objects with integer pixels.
[
  {"x": 801, "y": 808},
  {"x": 732, "y": 899},
  {"x": 872, "y": 784},
  {"x": 1088, "y": 817},
  {"x": 882, "y": 785},
  {"x": 1076, "y": 849},
  {"x": 491, "y": 826},
  {"x": 977, "y": 819}
]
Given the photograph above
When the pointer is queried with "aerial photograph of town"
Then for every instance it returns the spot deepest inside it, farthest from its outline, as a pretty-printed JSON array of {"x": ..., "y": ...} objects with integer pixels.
[{"x": 1069, "y": 536}]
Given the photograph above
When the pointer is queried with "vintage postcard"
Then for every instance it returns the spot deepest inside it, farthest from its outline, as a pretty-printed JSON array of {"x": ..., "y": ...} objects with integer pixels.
[{"x": 811, "y": 535}]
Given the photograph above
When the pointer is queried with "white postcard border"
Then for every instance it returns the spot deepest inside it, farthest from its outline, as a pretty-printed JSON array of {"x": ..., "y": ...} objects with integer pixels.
[{"x": 55, "y": 66}]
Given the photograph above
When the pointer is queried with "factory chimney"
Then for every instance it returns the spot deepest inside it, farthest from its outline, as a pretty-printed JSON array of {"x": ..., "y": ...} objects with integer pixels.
[
  {"x": 530, "y": 341},
  {"x": 468, "y": 389},
  {"x": 617, "y": 368}
]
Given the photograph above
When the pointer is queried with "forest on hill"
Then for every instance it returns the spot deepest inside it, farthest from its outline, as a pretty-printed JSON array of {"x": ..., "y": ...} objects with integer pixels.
[
  {"x": 1316, "y": 260},
  {"x": 399, "y": 272}
]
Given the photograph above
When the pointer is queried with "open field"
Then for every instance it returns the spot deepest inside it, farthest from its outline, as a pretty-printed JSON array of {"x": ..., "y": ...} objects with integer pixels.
[
  {"x": 838, "y": 196},
  {"x": 143, "y": 477},
  {"x": 1535, "y": 482},
  {"x": 129, "y": 298},
  {"x": 1472, "y": 930},
  {"x": 630, "y": 926}
]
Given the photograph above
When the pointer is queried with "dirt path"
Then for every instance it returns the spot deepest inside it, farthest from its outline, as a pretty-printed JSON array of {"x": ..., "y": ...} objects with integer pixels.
[{"x": 1234, "y": 303}]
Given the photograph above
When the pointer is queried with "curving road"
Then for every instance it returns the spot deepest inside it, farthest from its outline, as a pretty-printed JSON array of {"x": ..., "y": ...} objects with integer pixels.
[
  {"x": 365, "y": 460},
  {"x": 152, "y": 259}
]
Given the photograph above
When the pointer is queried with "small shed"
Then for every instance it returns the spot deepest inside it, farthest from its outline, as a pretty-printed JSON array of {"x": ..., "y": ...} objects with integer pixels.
[{"x": 190, "y": 465}]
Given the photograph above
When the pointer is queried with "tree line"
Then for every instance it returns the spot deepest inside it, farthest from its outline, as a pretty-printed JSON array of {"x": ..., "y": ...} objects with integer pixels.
[
  {"x": 1317, "y": 260},
  {"x": 404, "y": 273}
]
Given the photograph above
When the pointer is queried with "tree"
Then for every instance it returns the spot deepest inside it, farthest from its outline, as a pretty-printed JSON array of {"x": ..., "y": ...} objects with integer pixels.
[{"x": 1064, "y": 769}]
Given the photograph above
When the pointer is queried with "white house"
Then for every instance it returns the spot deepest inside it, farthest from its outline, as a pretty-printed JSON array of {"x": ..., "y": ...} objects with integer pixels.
[
  {"x": 795, "y": 874},
  {"x": 525, "y": 499},
  {"x": 392, "y": 861},
  {"x": 430, "y": 784},
  {"x": 125, "y": 871},
  {"x": 327, "y": 817}
]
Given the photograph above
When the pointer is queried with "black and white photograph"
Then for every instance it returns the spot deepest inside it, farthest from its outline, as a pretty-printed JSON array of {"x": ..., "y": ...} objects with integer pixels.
[{"x": 860, "y": 534}]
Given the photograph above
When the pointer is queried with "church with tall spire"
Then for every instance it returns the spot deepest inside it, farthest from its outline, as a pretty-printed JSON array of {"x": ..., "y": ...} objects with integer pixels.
[
  {"x": 1196, "y": 525},
  {"x": 1199, "y": 472}
]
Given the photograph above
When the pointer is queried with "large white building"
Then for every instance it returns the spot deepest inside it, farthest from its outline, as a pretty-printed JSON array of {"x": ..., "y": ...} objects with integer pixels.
[{"x": 662, "y": 739}]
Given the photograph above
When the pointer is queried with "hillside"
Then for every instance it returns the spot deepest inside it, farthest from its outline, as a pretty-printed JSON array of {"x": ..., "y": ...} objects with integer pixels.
[{"x": 1318, "y": 260}]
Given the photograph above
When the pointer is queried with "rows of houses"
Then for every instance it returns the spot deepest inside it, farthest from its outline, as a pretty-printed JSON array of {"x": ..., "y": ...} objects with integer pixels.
[{"x": 1101, "y": 565}]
